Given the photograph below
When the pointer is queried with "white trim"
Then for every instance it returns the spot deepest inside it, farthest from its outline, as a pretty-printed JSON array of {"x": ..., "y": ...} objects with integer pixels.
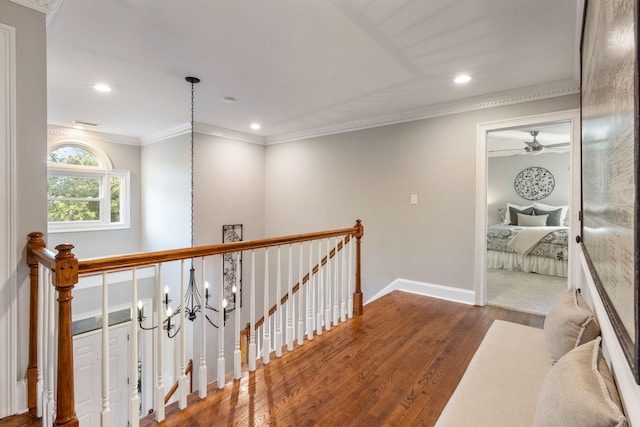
[
  {"x": 499, "y": 99},
  {"x": 43, "y": 6},
  {"x": 87, "y": 135},
  {"x": 448, "y": 293},
  {"x": 9, "y": 283},
  {"x": 21, "y": 397},
  {"x": 204, "y": 129},
  {"x": 573, "y": 116}
]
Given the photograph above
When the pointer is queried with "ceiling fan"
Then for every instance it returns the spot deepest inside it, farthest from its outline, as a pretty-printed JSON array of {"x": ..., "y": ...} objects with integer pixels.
[{"x": 534, "y": 147}]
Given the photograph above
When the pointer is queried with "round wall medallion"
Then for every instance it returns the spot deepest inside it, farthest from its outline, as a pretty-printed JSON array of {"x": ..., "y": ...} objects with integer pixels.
[{"x": 534, "y": 183}]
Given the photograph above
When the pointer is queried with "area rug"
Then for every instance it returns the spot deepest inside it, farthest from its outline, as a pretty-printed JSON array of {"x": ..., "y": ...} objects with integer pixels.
[{"x": 526, "y": 292}]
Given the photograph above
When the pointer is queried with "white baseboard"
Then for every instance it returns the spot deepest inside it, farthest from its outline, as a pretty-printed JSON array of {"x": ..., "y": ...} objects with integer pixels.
[
  {"x": 464, "y": 296},
  {"x": 21, "y": 397}
]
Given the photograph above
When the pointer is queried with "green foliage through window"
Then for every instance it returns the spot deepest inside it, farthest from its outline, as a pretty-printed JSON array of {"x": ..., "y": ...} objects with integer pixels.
[{"x": 82, "y": 191}]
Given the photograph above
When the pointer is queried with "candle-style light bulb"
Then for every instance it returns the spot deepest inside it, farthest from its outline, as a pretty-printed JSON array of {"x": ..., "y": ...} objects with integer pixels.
[
  {"x": 166, "y": 295},
  {"x": 206, "y": 290},
  {"x": 140, "y": 311},
  {"x": 224, "y": 303},
  {"x": 233, "y": 288}
]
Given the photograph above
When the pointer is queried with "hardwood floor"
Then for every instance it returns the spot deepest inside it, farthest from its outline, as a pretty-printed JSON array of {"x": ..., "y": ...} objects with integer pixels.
[{"x": 397, "y": 365}]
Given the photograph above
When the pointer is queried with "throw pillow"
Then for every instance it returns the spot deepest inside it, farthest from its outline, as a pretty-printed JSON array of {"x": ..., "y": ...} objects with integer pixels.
[
  {"x": 507, "y": 219},
  {"x": 554, "y": 216},
  {"x": 579, "y": 390},
  {"x": 563, "y": 215},
  {"x": 532, "y": 221},
  {"x": 513, "y": 214},
  {"x": 569, "y": 324}
]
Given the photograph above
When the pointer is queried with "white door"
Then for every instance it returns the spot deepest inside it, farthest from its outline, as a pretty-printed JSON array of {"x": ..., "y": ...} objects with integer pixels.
[{"x": 87, "y": 353}]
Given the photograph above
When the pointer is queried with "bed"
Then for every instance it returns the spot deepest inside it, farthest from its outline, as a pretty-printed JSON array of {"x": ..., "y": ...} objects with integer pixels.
[{"x": 548, "y": 256}]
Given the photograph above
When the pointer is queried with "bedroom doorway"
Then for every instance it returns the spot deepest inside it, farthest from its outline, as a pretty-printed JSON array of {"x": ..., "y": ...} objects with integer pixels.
[{"x": 526, "y": 193}]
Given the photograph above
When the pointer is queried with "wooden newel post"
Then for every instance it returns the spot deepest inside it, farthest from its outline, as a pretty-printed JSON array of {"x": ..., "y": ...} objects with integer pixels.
[
  {"x": 34, "y": 243},
  {"x": 357, "y": 294},
  {"x": 66, "y": 276}
]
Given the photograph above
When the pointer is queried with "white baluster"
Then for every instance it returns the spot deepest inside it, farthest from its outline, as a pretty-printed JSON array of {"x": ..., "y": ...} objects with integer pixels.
[
  {"x": 252, "y": 315},
  {"x": 183, "y": 381},
  {"x": 52, "y": 350},
  {"x": 290, "y": 301},
  {"x": 237, "y": 362},
  {"x": 277, "y": 316},
  {"x": 47, "y": 338},
  {"x": 343, "y": 269},
  {"x": 350, "y": 282},
  {"x": 320, "y": 282},
  {"x": 41, "y": 325},
  {"x": 266, "y": 340},
  {"x": 336, "y": 284},
  {"x": 300, "y": 297},
  {"x": 159, "y": 392},
  {"x": 311, "y": 301},
  {"x": 221, "y": 314},
  {"x": 202, "y": 373},
  {"x": 105, "y": 414},
  {"x": 328, "y": 302},
  {"x": 134, "y": 399}
]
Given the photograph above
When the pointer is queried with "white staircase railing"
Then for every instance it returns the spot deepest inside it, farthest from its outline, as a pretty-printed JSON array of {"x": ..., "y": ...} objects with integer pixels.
[{"x": 327, "y": 292}]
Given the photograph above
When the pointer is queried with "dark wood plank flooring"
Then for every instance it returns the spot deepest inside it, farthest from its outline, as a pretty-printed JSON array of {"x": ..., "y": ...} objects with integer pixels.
[{"x": 397, "y": 365}]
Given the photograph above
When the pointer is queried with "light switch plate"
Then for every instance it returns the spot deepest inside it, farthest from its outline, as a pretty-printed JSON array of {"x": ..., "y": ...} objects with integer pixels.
[{"x": 414, "y": 199}]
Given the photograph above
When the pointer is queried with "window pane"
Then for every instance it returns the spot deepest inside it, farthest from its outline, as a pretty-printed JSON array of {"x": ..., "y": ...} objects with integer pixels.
[
  {"x": 68, "y": 186},
  {"x": 71, "y": 155},
  {"x": 115, "y": 199},
  {"x": 73, "y": 210}
]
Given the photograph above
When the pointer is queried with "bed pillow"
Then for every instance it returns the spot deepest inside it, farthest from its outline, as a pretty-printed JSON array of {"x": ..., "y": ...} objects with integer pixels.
[
  {"x": 513, "y": 214},
  {"x": 563, "y": 215},
  {"x": 554, "y": 216},
  {"x": 579, "y": 390},
  {"x": 569, "y": 324},
  {"x": 507, "y": 219},
  {"x": 532, "y": 220}
]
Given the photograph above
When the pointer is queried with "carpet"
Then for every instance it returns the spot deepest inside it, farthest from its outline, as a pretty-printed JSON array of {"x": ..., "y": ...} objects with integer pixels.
[{"x": 527, "y": 292}]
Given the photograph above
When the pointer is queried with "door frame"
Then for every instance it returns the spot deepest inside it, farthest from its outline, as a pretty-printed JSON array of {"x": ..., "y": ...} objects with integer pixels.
[{"x": 480, "y": 267}]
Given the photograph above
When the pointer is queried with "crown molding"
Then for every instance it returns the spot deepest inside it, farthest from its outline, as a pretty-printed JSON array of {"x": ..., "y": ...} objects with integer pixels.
[
  {"x": 87, "y": 135},
  {"x": 532, "y": 93},
  {"x": 43, "y": 6},
  {"x": 205, "y": 129}
]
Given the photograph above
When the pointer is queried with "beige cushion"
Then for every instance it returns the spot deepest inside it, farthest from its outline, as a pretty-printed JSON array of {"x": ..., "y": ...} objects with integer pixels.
[
  {"x": 579, "y": 391},
  {"x": 569, "y": 324},
  {"x": 500, "y": 386},
  {"x": 532, "y": 220}
]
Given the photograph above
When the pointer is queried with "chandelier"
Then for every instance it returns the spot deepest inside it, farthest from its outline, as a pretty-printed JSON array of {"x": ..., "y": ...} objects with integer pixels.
[{"x": 192, "y": 303}]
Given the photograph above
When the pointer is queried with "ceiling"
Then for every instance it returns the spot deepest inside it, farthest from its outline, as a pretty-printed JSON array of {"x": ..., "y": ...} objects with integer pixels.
[{"x": 300, "y": 67}]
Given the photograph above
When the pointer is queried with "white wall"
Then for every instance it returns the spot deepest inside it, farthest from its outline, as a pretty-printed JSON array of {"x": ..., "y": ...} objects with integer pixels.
[
  {"x": 502, "y": 171},
  {"x": 29, "y": 180},
  {"x": 328, "y": 182}
]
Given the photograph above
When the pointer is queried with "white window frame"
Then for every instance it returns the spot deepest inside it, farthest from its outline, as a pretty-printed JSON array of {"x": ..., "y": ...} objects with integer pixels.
[{"x": 104, "y": 172}]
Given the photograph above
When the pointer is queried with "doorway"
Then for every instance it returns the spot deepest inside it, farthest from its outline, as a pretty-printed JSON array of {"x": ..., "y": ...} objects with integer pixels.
[{"x": 509, "y": 157}]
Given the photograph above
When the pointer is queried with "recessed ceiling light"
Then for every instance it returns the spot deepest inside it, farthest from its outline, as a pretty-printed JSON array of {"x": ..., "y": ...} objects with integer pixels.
[
  {"x": 462, "y": 78},
  {"x": 229, "y": 99},
  {"x": 255, "y": 126},
  {"x": 101, "y": 87}
]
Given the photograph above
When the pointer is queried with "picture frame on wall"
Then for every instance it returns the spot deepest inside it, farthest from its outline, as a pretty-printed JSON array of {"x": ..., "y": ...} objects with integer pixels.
[
  {"x": 230, "y": 263},
  {"x": 609, "y": 109}
]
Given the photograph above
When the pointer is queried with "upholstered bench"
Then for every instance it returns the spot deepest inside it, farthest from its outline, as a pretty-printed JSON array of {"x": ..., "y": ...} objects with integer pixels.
[{"x": 512, "y": 379}]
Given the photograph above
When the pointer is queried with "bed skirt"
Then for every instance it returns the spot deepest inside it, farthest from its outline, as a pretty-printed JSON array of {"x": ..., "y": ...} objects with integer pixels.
[{"x": 528, "y": 264}]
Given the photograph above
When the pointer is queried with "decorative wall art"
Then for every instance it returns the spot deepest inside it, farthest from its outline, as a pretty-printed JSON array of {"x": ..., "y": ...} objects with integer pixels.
[
  {"x": 534, "y": 183},
  {"x": 232, "y": 233},
  {"x": 610, "y": 165}
]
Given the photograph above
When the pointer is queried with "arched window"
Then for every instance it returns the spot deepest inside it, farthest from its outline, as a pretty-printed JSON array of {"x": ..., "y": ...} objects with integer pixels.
[{"x": 84, "y": 192}]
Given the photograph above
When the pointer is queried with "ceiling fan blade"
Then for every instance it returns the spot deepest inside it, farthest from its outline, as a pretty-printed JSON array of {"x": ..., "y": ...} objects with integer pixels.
[{"x": 562, "y": 144}]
